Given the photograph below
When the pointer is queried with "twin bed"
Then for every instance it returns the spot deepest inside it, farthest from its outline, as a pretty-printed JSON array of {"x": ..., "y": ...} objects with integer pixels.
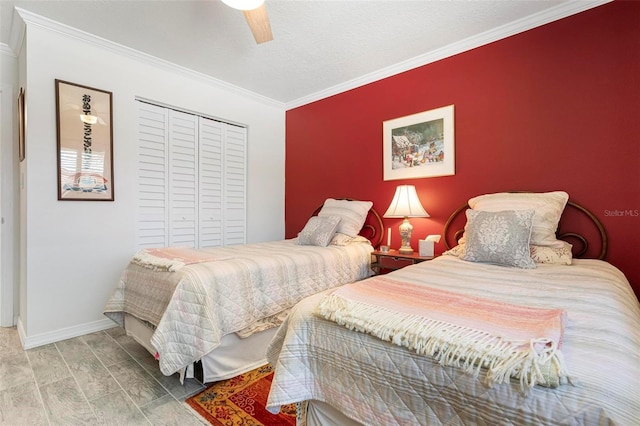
[
  {"x": 401, "y": 365},
  {"x": 210, "y": 313},
  {"x": 345, "y": 365}
]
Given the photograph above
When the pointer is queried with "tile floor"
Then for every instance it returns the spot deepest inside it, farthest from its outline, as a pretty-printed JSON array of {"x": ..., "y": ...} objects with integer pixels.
[{"x": 103, "y": 378}]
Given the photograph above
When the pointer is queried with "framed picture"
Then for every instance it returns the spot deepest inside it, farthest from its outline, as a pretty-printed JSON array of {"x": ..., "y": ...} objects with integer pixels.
[
  {"x": 21, "y": 124},
  {"x": 419, "y": 145},
  {"x": 85, "y": 143}
]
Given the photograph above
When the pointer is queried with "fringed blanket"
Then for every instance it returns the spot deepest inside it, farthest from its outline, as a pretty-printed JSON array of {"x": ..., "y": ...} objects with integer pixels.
[
  {"x": 171, "y": 259},
  {"x": 264, "y": 324},
  {"x": 459, "y": 330}
]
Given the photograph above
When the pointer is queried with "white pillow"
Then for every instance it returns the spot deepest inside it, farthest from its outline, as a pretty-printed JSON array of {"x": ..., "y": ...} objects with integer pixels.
[
  {"x": 539, "y": 254},
  {"x": 548, "y": 207},
  {"x": 457, "y": 251},
  {"x": 352, "y": 214},
  {"x": 318, "y": 231},
  {"x": 552, "y": 255},
  {"x": 344, "y": 240}
]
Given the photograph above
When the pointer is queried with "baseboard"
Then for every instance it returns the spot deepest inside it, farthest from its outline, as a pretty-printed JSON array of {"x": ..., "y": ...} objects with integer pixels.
[{"x": 29, "y": 342}]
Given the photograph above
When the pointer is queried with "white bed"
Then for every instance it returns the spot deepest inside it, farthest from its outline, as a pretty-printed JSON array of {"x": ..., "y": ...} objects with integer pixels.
[
  {"x": 212, "y": 315},
  {"x": 350, "y": 377}
]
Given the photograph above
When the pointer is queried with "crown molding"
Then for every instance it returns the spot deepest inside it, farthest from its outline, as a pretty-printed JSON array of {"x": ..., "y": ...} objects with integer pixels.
[
  {"x": 538, "y": 19},
  {"x": 32, "y": 19},
  {"x": 23, "y": 18}
]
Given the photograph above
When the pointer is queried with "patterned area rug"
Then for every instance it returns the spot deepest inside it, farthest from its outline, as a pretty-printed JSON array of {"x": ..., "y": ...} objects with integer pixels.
[{"x": 241, "y": 400}]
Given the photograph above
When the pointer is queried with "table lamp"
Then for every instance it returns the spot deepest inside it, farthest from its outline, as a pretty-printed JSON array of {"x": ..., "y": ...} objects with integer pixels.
[{"x": 406, "y": 204}]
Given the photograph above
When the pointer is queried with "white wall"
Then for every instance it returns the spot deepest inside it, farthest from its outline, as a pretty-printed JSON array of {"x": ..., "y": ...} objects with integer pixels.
[
  {"x": 75, "y": 251},
  {"x": 8, "y": 189}
]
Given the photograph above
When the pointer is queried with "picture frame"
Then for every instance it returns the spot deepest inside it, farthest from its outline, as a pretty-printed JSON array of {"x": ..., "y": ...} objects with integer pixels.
[
  {"x": 21, "y": 125},
  {"x": 419, "y": 145},
  {"x": 85, "y": 142}
]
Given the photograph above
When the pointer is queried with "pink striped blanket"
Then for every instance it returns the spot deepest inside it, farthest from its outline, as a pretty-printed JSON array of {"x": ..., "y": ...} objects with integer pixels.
[
  {"x": 472, "y": 333},
  {"x": 172, "y": 258}
]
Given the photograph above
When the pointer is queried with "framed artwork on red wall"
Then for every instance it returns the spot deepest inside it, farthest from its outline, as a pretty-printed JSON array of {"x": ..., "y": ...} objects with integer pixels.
[{"x": 419, "y": 145}]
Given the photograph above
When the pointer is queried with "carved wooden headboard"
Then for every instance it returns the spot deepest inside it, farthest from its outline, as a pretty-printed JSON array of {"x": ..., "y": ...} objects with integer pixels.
[{"x": 577, "y": 226}]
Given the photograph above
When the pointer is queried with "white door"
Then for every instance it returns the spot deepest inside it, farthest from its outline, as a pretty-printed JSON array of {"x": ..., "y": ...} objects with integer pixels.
[
  {"x": 211, "y": 182},
  {"x": 153, "y": 172},
  {"x": 183, "y": 179},
  {"x": 191, "y": 180},
  {"x": 235, "y": 172}
]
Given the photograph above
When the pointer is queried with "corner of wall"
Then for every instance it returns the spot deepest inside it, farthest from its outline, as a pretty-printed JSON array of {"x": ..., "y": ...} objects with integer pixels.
[
  {"x": 9, "y": 243},
  {"x": 18, "y": 29}
]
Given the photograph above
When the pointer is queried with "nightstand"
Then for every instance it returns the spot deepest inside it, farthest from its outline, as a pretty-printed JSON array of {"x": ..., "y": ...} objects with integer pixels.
[{"x": 392, "y": 260}]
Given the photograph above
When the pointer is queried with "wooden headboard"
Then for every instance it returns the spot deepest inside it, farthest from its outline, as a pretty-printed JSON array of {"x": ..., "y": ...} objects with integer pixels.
[
  {"x": 373, "y": 228},
  {"x": 577, "y": 226}
]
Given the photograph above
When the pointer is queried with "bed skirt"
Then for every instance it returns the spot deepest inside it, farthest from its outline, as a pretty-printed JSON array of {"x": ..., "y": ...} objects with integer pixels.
[{"x": 234, "y": 355}]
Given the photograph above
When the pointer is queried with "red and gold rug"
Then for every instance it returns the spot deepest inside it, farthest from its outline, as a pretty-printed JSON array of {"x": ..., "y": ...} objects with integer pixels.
[{"x": 241, "y": 400}]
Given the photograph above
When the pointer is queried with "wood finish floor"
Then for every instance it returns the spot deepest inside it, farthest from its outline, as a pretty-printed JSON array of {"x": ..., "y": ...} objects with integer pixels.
[{"x": 103, "y": 378}]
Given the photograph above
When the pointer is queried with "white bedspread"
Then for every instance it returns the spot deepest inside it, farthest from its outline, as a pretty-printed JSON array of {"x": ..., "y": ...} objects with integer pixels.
[
  {"x": 376, "y": 382},
  {"x": 194, "y": 307}
]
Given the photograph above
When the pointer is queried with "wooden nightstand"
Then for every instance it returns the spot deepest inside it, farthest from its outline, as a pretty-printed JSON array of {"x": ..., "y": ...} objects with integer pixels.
[{"x": 392, "y": 260}]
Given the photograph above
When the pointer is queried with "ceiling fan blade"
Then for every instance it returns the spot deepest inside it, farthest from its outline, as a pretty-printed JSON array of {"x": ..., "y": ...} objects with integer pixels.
[{"x": 258, "y": 21}]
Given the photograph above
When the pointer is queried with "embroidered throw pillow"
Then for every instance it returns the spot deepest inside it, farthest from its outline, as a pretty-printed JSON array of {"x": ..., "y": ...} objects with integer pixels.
[
  {"x": 552, "y": 255},
  {"x": 318, "y": 231},
  {"x": 344, "y": 240},
  {"x": 457, "y": 251},
  {"x": 501, "y": 238},
  {"x": 352, "y": 214}
]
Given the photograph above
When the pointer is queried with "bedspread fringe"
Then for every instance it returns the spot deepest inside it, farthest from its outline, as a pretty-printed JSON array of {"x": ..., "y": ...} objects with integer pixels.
[
  {"x": 537, "y": 362},
  {"x": 156, "y": 263}
]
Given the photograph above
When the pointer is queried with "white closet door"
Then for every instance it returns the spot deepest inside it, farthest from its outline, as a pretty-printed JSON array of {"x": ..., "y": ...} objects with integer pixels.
[
  {"x": 210, "y": 188},
  {"x": 153, "y": 172},
  {"x": 235, "y": 172},
  {"x": 191, "y": 180},
  {"x": 183, "y": 182}
]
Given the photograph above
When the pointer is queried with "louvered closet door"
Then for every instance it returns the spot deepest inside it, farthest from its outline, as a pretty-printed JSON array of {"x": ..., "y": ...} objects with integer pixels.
[
  {"x": 235, "y": 172},
  {"x": 183, "y": 182},
  {"x": 153, "y": 172},
  {"x": 191, "y": 180},
  {"x": 210, "y": 189}
]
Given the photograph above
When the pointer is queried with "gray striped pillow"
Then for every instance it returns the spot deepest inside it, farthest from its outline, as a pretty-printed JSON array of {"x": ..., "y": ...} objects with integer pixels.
[{"x": 352, "y": 214}]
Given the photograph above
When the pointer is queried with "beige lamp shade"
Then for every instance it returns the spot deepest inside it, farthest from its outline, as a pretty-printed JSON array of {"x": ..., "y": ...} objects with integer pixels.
[
  {"x": 406, "y": 203},
  {"x": 243, "y": 4}
]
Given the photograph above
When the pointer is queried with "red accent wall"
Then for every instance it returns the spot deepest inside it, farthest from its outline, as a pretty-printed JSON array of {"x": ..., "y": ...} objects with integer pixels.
[{"x": 554, "y": 108}]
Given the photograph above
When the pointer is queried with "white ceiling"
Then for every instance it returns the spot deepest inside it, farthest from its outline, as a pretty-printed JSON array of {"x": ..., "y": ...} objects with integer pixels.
[{"x": 320, "y": 47}]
